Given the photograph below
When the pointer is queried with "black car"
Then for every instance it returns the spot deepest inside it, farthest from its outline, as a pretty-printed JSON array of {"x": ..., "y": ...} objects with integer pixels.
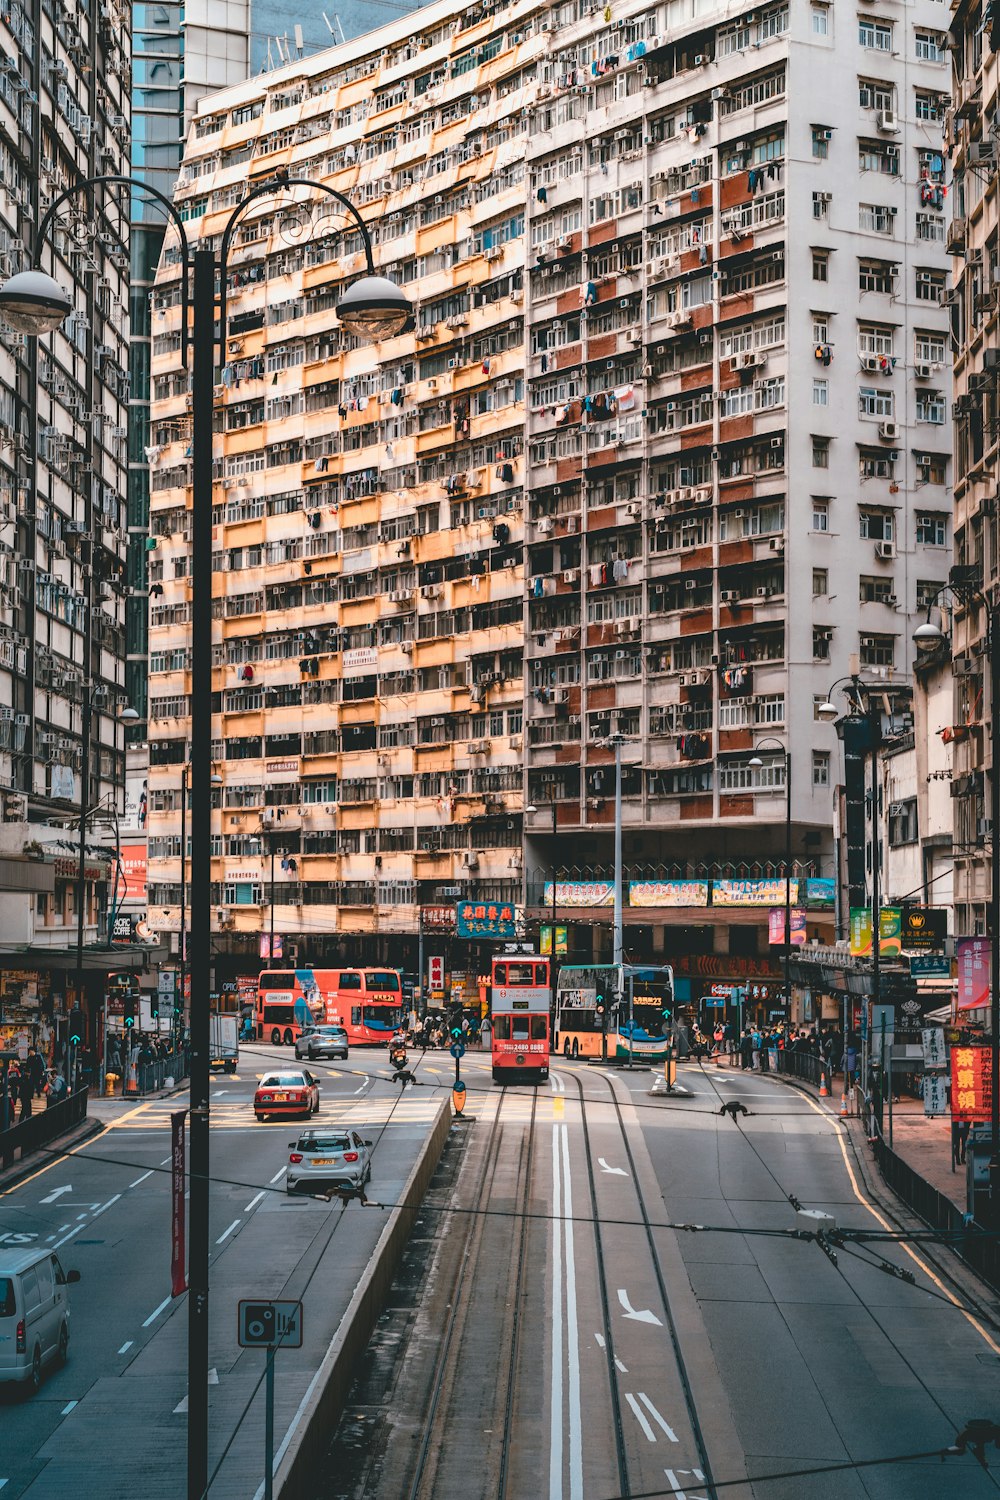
[{"x": 322, "y": 1041}]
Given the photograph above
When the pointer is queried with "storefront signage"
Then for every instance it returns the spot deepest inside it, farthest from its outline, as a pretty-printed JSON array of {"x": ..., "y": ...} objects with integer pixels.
[
  {"x": 133, "y": 860},
  {"x": 973, "y": 972},
  {"x": 861, "y": 931},
  {"x": 485, "y": 919},
  {"x": 668, "y": 893},
  {"x": 580, "y": 893},
  {"x": 821, "y": 892},
  {"x": 930, "y": 966},
  {"x": 545, "y": 939},
  {"x": 271, "y": 766},
  {"x": 437, "y": 918},
  {"x": 67, "y": 869},
  {"x": 752, "y": 892},
  {"x": 924, "y": 929},
  {"x": 124, "y": 929},
  {"x": 971, "y": 1083},
  {"x": 796, "y": 925},
  {"x": 360, "y": 656}
]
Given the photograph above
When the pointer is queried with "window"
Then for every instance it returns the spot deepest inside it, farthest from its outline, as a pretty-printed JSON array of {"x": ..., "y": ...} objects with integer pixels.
[
  {"x": 876, "y": 218},
  {"x": 821, "y": 582},
  {"x": 821, "y": 452},
  {"x": 930, "y": 285},
  {"x": 821, "y": 768},
  {"x": 930, "y": 227},
  {"x": 932, "y": 529},
  {"x": 878, "y": 650},
  {"x": 874, "y": 93},
  {"x": 928, "y": 46},
  {"x": 822, "y": 636},
  {"x": 876, "y": 275},
  {"x": 903, "y": 822},
  {"x": 876, "y": 525},
  {"x": 931, "y": 407},
  {"x": 821, "y": 204},
  {"x": 821, "y": 138},
  {"x": 928, "y": 106},
  {"x": 874, "y": 34},
  {"x": 820, "y": 515},
  {"x": 875, "y": 339},
  {"x": 821, "y": 328},
  {"x": 821, "y": 265},
  {"x": 872, "y": 590},
  {"x": 928, "y": 348},
  {"x": 821, "y": 393},
  {"x": 876, "y": 156},
  {"x": 875, "y": 401},
  {"x": 928, "y": 590},
  {"x": 935, "y": 471},
  {"x": 820, "y": 20}
]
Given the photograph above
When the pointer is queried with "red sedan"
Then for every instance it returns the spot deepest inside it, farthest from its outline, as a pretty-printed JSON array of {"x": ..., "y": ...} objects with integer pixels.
[{"x": 293, "y": 1091}]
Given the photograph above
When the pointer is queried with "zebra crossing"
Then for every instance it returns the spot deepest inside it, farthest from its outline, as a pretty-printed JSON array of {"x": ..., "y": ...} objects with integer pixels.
[{"x": 237, "y": 1114}]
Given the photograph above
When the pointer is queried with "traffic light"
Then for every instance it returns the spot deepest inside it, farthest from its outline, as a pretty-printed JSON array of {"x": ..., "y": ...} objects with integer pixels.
[
  {"x": 75, "y": 1026},
  {"x": 154, "y": 1005},
  {"x": 666, "y": 1014},
  {"x": 456, "y": 1026},
  {"x": 129, "y": 1009}
]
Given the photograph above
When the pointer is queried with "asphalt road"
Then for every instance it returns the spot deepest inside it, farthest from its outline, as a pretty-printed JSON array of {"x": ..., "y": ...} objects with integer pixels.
[
  {"x": 113, "y": 1418},
  {"x": 654, "y": 1361}
]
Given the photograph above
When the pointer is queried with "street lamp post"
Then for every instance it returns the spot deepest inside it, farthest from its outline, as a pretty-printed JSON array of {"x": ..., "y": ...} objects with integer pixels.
[
  {"x": 618, "y": 937},
  {"x": 552, "y": 946},
  {"x": 372, "y": 307},
  {"x": 927, "y": 638},
  {"x": 182, "y": 957},
  {"x": 757, "y": 763}
]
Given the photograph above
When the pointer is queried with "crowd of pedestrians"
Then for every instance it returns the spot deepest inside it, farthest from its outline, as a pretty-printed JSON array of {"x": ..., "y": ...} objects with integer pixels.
[
  {"x": 756, "y": 1048},
  {"x": 30, "y": 1080}
]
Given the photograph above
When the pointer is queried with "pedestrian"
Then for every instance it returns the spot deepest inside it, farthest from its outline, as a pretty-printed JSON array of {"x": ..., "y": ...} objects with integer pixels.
[
  {"x": 56, "y": 1089},
  {"x": 719, "y": 1037},
  {"x": 756, "y": 1046},
  {"x": 25, "y": 1092},
  {"x": 745, "y": 1048},
  {"x": 36, "y": 1070}
]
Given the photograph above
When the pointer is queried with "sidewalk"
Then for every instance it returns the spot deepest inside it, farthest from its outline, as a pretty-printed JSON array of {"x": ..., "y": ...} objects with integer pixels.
[{"x": 924, "y": 1143}]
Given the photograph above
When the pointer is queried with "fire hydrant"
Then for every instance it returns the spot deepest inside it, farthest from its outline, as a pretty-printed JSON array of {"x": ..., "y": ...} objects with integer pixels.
[{"x": 110, "y": 1079}]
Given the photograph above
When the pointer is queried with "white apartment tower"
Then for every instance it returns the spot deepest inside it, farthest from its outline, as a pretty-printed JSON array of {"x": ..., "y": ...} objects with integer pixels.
[{"x": 667, "y": 454}]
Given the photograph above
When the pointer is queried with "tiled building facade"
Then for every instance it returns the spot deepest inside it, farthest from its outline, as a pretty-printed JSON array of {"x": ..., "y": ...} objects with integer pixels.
[{"x": 650, "y": 464}]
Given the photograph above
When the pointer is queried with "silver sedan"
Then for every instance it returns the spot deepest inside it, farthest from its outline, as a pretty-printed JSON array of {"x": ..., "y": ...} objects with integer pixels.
[{"x": 328, "y": 1159}]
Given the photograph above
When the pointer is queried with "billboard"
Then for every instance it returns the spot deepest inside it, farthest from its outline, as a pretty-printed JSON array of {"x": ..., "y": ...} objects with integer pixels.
[
  {"x": 133, "y": 863},
  {"x": 971, "y": 1083},
  {"x": 668, "y": 893},
  {"x": 752, "y": 892},
  {"x": 973, "y": 972},
  {"x": 796, "y": 925}
]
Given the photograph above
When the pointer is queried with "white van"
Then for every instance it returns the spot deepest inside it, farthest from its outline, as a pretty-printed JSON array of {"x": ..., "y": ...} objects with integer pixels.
[{"x": 34, "y": 1313}]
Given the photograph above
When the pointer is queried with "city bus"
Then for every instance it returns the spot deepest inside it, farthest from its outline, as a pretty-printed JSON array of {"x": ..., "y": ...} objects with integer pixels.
[
  {"x": 519, "y": 1019},
  {"x": 368, "y": 1003},
  {"x": 625, "y": 1004}
]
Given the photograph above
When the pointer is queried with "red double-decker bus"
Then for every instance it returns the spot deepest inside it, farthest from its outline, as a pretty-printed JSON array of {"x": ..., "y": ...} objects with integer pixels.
[
  {"x": 368, "y": 1003},
  {"x": 519, "y": 1018}
]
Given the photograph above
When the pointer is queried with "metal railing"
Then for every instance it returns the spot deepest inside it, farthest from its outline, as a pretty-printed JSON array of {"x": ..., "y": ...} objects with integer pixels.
[
  {"x": 153, "y": 1075},
  {"x": 807, "y": 1065},
  {"x": 979, "y": 1251},
  {"x": 29, "y": 1135}
]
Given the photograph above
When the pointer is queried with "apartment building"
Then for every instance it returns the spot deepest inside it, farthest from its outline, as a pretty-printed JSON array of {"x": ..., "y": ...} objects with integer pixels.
[
  {"x": 650, "y": 465},
  {"x": 974, "y": 242},
  {"x": 64, "y": 105}
]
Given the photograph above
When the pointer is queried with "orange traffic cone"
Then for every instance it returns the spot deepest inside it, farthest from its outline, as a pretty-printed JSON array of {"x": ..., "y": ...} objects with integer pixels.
[
  {"x": 131, "y": 1080},
  {"x": 824, "y": 1092},
  {"x": 844, "y": 1110}
]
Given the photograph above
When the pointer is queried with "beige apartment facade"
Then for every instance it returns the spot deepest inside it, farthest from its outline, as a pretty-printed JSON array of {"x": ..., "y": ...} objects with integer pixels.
[{"x": 647, "y": 465}]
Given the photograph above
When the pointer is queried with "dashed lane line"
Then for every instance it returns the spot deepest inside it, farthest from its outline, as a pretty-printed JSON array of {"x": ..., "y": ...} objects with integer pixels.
[
  {"x": 227, "y": 1232},
  {"x": 156, "y": 1312}
]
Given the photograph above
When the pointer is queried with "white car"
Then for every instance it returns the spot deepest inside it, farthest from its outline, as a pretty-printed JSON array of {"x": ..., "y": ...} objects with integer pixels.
[
  {"x": 328, "y": 1158},
  {"x": 34, "y": 1314}
]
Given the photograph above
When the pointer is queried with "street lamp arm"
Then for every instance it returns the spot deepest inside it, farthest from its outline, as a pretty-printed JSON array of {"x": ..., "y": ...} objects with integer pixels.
[
  {"x": 268, "y": 189},
  {"x": 164, "y": 202}
]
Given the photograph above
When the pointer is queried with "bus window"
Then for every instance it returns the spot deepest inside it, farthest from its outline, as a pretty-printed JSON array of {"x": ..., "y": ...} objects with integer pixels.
[
  {"x": 500, "y": 974},
  {"x": 277, "y": 980},
  {"x": 537, "y": 1028},
  {"x": 520, "y": 1028},
  {"x": 349, "y": 982},
  {"x": 355, "y": 1015},
  {"x": 518, "y": 974},
  {"x": 541, "y": 978},
  {"x": 382, "y": 979},
  {"x": 501, "y": 1028}
]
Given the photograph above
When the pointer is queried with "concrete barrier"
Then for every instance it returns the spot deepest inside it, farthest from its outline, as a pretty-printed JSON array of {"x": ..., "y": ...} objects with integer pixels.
[{"x": 308, "y": 1437}]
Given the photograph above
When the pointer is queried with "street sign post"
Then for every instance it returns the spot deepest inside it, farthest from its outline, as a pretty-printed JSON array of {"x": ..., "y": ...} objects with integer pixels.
[{"x": 268, "y": 1325}]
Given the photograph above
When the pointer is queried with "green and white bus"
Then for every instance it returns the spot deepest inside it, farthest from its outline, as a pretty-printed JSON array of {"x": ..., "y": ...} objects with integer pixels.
[{"x": 631, "y": 1005}]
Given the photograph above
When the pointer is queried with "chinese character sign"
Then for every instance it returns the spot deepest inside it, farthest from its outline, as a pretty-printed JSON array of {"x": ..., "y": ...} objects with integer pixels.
[
  {"x": 485, "y": 919},
  {"x": 935, "y": 1094},
  {"x": 971, "y": 1083},
  {"x": 973, "y": 972},
  {"x": 796, "y": 925},
  {"x": 861, "y": 932}
]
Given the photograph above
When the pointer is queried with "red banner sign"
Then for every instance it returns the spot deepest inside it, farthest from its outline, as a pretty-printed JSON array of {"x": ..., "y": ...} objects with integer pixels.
[
  {"x": 971, "y": 1083},
  {"x": 178, "y": 1239}
]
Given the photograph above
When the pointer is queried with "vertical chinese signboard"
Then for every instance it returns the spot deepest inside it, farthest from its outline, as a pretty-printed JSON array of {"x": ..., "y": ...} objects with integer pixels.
[
  {"x": 971, "y": 1083},
  {"x": 973, "y": 973}
]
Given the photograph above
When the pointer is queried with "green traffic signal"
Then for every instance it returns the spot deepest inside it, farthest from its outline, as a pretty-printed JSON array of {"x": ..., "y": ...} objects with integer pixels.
[{"x": 666, "y": 1015}]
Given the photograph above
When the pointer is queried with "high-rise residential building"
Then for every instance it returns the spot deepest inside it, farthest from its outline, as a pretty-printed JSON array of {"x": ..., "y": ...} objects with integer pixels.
[
  {"x": 973, "y": 238},
  {"x": 652, "y": 464},
  {"x": 64, "y": 107}
]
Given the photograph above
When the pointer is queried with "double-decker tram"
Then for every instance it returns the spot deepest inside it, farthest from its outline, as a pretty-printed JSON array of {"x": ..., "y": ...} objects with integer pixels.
[{"x": 520, "y": 1018}]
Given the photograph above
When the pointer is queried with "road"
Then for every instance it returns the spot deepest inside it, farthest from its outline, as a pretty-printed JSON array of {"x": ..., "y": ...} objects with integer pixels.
[
  {"x": 547, "y": 1334},
  {"x": 116, "y": 1411}
]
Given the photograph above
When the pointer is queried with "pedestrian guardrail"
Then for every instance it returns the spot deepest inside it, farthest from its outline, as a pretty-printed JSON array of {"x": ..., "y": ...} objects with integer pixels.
[
  {"x": 803, "y": 1065},
  {"x": 42, "y": 1127}
]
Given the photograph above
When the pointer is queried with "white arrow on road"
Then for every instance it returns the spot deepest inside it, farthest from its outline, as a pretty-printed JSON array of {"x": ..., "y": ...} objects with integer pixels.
[
  {"x": 645, "y": 1316},
  {"x": 615, "y": 1171},
  {"x": 57, "y": 1193}
]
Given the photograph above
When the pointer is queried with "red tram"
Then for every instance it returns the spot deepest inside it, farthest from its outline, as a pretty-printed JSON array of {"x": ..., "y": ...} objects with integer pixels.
[{"x": 520, "y": 1018}]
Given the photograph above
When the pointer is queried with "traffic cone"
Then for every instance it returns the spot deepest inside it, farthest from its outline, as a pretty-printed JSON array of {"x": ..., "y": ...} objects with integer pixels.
[
  {"x": 824, "y": 1092},
  {"x": 844, "y": 1109},
  {"x": 132, "y": 1081}
]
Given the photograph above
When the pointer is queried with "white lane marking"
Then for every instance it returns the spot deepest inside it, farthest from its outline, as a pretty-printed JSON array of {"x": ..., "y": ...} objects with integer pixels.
[
  {"x": 99, "y": 1211},
  {"x": 675, "y": 1483},
  {"x": 125, "y": 1347},
  {"x": 68, "y": 1408},
  {"x": 182, "y": 1405},
  {"x": 558, "y": 1087},
  {"x": 141, "y": 1179},
  {"x": 279, "y": 1175},
  {"x": 645, "y": 1316},
  {"x": 57, "y": 1193},
  {"x": 75, "y": 1230},
  {"x": 640, "y": 1418},
  {"x": 600, "y": 1339},
  {"x": 156, "y": 1313},
  {"x": 614, "y": 1171},
  {"x": 556, "y": 1391},
  {"x": 572, "y": 1336},
  {"x": 2, "y": 1483},
  {"x": 671, "y": 1434},
  {"x": 166, "y": 1161},
  {"x": 363, "y": 1087},
  {"x": 226, "y": 1233},
  {"x": 219, "y": 1093},
  {"x": 213, "y": 1376},
  {"x": 620, "y": 1366},
  {"x": 254, "y": 1201}
]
